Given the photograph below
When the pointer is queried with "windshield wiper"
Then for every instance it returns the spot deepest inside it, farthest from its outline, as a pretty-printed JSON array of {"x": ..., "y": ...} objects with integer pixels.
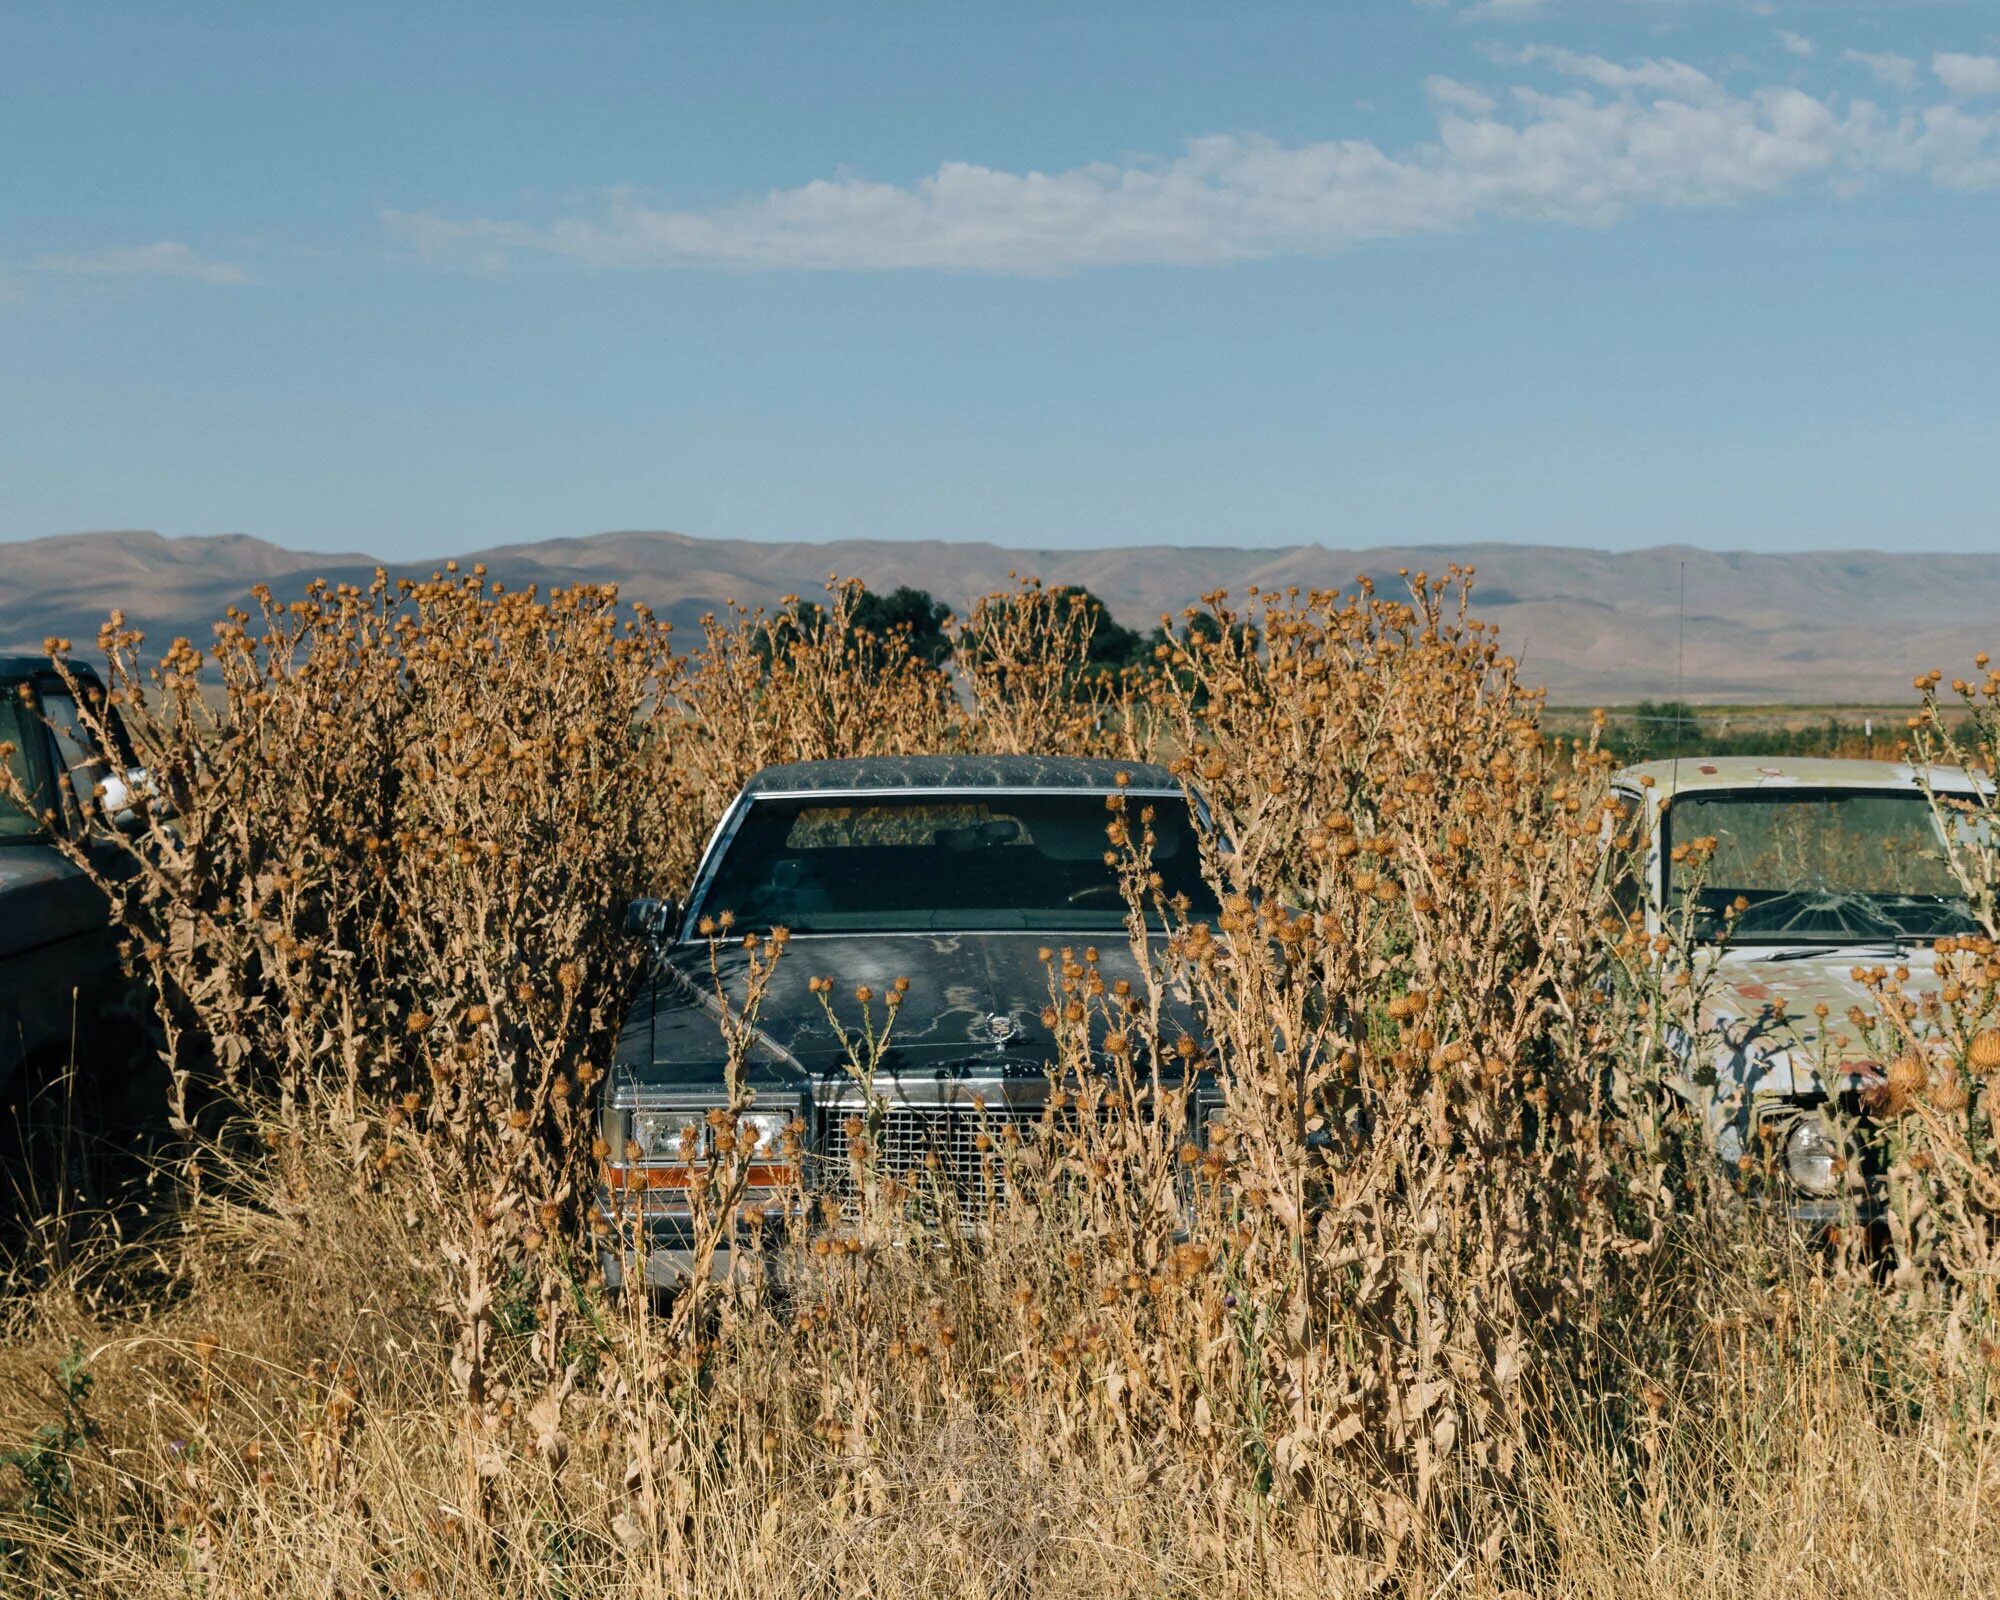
[{"x": 1807, "y": 949}]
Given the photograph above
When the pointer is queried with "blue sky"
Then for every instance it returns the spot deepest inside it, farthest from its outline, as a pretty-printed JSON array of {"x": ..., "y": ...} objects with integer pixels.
[{"x": 419, "y": 278}]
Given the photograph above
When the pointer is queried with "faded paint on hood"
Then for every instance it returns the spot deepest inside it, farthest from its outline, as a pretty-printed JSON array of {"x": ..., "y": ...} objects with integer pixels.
[{"x": 1759, "y": 1047}]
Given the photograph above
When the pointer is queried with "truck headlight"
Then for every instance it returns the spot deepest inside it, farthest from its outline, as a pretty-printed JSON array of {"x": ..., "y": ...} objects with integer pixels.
[{"x": 1813, "y": 1157}]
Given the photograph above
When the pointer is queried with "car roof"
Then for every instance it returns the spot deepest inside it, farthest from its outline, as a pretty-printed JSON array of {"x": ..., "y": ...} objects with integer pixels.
[
  {"x": 871, "y": 774},
  {"x": 1781, "y": 772},
  {"x": 41, "y": 667}
]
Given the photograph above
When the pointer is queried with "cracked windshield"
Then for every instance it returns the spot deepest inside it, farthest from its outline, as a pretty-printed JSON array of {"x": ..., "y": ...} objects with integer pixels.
[
  {"x": 1818, "y": 868},
  {"x": 977, "y": 865}
]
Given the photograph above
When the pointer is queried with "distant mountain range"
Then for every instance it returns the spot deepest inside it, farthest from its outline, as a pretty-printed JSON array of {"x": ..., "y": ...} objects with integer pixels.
[{"x": 1596, "y": 626}]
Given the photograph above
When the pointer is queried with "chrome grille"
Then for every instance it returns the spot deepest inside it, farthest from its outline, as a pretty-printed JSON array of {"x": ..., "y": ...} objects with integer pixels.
[{"x": 955, "y": 1150}]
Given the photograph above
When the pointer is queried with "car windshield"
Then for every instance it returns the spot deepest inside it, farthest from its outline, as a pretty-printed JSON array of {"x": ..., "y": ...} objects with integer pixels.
[
  {"x": 17, "y": 728},
  {"x": 968, "y": 863},
  {"x": 1820, "y": 866}
]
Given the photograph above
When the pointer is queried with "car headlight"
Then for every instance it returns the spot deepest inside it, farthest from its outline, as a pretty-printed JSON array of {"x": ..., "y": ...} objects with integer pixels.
[
  {"x": 661, "y": 1135},
  {"x": 1813, "y": 1157},
  {"x": 661, "y": 1147},
  {"x": 761, "y": 1134}
]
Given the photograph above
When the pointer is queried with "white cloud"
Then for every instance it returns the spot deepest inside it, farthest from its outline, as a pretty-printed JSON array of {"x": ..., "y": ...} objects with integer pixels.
[
  {"x": 1665, "y": 77},
  {"x": 165, "y": 259},
  {"x": 1967, "y": 76},
  {"x": 1614, "y": 139},
  {"x": 1455, "y": 96},
  {"x": 1797, "y": 43},
  {"x": 1898, "y": 72}
]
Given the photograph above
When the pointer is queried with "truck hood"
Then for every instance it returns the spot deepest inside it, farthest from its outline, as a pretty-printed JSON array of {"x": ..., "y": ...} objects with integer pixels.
[
  {"x": 1756, "y": 1047},
  {"x": 973, "y": 1009}
]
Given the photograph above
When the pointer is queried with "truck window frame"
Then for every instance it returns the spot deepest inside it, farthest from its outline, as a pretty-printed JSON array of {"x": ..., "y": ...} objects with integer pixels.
[{"x": 38, "y": 753}]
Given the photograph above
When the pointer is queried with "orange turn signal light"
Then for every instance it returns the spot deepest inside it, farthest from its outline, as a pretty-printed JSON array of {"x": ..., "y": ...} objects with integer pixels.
[{"x": 758, "y": 1175}]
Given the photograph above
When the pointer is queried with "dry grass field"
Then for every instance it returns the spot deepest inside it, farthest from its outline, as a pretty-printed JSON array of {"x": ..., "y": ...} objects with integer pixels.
[{"x": 1450, "y": 1303}]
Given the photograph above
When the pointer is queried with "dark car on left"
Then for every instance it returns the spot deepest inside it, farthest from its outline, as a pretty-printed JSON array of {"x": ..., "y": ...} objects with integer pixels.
[{"x": 59, "y": 966}]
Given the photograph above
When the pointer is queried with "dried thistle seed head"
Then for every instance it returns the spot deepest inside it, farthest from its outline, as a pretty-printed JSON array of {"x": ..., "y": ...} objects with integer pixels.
[{"x": 1948, "y": 1094}]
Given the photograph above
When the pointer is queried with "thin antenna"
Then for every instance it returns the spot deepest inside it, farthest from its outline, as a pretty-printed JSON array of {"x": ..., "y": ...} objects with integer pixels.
[{"x": 1680, "y": 675}]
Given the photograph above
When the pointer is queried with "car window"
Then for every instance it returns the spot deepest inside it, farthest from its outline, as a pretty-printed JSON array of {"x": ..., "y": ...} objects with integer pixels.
[
  {"x": 20, "y": 729},
  {"x": 76, "y": 751},
  {"x": 1817, "y": 864},
  {"x": 946, "y": 863},
  {"x": 1628, "y": 854}
]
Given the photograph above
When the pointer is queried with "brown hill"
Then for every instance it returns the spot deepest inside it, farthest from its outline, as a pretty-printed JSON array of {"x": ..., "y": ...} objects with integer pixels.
[{"x": 1595, "y": 625}]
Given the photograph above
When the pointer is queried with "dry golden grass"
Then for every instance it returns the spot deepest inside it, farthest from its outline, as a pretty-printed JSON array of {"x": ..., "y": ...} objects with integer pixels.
[
  {"x": 1450, "y": 1304},
  {"x": 285, "y": 1429}
]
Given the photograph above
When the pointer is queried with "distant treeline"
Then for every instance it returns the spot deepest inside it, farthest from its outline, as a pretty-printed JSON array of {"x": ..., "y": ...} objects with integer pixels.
[
  {"x": 1657, "y": 730},
  {"x": 1113, "y": 646}
]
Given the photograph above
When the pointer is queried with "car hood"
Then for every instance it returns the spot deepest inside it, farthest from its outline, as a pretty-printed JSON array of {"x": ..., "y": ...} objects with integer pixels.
[
  {"x": 43, "y": 898},
  {"x": 973, "y": 1008},
  {"x": 1762, "y": 1031}
]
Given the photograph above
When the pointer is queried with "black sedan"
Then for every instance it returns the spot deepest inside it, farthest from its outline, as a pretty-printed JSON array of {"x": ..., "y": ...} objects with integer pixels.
[{"x": 947, "y": 883}]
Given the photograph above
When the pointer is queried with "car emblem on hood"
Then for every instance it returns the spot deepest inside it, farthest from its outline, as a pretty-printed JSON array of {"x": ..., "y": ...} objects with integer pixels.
[{"x": 1000, "y": 1029}]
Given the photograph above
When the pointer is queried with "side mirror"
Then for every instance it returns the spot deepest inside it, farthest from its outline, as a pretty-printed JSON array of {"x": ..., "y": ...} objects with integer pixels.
[
  {"x": 651, "y": 919},
  {"x": 121, "y": 799}
]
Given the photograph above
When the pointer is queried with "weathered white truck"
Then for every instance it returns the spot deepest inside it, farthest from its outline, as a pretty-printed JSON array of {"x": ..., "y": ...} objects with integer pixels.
[{"x": 1809, "y": 874}]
